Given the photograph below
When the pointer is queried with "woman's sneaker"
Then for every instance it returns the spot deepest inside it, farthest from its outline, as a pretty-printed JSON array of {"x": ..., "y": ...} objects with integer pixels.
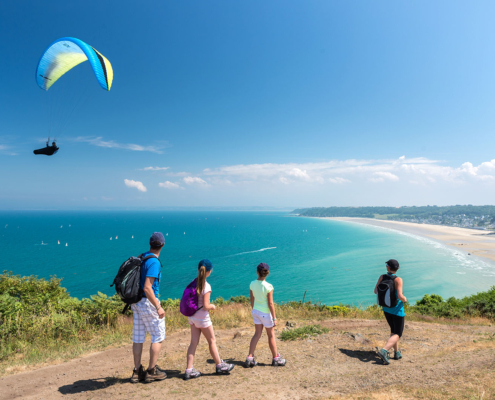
[
  {"x": 250, "y": 362},
  {"x": 224, "y": 368},
  {"x": 383, "y": 354},
  {"x": 191, "y": 374},
  {"x": 138, "y": 376},
  {"x": 397, "y": 355},
  {"x": 279, "y": 361},
  {"x": 155, "y": 374}
]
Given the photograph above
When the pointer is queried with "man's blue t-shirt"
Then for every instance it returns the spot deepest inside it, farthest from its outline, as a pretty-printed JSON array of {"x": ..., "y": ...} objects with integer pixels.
[{"x": 151, "y": 268}]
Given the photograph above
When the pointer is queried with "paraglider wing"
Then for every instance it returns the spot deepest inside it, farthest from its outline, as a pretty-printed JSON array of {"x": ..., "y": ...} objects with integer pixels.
[{"x": 64, "y": 54}]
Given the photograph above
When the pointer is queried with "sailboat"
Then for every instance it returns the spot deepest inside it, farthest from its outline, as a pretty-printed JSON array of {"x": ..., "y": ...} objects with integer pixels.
[
  {"x": 132, "y": 237},
  {"x": 59, "y": 242},
  {"x": 66, "y": 244},
  {"x": 116, "y": 237},
  {"x": 110, "y": 238}
]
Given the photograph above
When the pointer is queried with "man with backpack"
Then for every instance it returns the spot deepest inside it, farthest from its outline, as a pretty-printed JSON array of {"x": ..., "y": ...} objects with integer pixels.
[
  {"x": 149, "y": 315},
  {"x": 389, "y": 295}
]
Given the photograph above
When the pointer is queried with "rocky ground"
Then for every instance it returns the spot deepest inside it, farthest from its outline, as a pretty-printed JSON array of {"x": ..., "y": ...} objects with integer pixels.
[{"x": 440, "y": 361}]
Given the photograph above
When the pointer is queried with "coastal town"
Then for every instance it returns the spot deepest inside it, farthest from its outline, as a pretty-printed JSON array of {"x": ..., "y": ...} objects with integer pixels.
[{"x": 465, "y": 216}]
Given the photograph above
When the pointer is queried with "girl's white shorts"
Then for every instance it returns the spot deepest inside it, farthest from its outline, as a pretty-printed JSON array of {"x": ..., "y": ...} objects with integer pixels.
[
  {"x": 200, "y": 322},
  {"x": 261, "y": 318}
]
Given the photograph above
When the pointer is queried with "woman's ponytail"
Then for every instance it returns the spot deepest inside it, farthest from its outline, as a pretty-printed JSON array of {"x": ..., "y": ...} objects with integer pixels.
[{"x": 200, "y": 285}]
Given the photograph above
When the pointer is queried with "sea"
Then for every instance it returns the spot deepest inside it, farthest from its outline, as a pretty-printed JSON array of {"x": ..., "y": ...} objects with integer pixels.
[{"x": 319, "y": 260}]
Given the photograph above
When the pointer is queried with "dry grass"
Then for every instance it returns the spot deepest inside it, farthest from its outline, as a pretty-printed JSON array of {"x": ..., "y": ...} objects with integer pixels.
[
  {"x": 472, "y": 385},
  {"x": 226, "y": 316}
]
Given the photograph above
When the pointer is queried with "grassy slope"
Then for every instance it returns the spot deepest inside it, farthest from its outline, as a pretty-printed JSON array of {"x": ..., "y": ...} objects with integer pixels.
[{"x": 40, "y": 322}]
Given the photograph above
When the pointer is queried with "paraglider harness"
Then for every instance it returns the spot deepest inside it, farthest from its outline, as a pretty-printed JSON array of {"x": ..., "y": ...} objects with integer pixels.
[{"x": 48, "y": 150}]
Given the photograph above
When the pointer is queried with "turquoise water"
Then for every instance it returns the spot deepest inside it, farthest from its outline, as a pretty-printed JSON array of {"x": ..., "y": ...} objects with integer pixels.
[{"x": 335, "y": 262}]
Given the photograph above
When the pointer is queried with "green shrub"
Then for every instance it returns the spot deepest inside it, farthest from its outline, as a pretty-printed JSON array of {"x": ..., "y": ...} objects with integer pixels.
[
  {"x": 303, "y": 332},
  {"x": 338, "y": 310},
  {"x": 170, "y": 303},
  {"x": 240, "y": 300},
  {"x": 478, "y": 305}
]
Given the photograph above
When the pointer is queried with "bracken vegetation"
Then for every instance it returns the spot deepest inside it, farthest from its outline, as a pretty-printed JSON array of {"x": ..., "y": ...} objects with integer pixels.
[{"x": 40, "y": 321}]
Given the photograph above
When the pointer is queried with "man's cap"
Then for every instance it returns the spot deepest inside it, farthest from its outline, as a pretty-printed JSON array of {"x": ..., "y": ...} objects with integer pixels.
[
  {"x": 157, "y": 239},
  {"x": 205, "y": 263},
  {"x": 263, "y": 267},
  {"x": 393, "y": 264}
]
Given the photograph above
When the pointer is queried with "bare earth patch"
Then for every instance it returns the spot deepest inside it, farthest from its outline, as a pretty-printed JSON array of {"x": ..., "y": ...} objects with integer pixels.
[{"x": 440, "y": 361}]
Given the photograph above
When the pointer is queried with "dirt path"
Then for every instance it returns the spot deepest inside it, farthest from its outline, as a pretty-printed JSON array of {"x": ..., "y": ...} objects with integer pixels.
[{"x": 338, "y": 363}]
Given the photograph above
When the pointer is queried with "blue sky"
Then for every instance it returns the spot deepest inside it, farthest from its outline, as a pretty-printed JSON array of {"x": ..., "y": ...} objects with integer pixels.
[{"x": 252, "y": 103}]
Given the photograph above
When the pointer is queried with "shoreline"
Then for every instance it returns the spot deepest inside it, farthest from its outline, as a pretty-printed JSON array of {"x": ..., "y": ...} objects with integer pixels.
[{"x": 470, "y": 241}]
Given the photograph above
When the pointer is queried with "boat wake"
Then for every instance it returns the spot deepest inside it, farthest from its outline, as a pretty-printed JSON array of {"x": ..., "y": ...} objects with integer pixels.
[{"x": 254, "y": 251}]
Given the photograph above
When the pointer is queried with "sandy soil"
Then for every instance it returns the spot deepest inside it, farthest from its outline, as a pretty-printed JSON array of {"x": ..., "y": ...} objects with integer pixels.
[
  {"x": 340, "y": 363},
  {"x": 476, "y": 242}
]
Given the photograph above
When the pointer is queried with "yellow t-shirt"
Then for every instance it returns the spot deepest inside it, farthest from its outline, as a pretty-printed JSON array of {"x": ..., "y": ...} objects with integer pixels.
[{"x": 260, "y": 291}]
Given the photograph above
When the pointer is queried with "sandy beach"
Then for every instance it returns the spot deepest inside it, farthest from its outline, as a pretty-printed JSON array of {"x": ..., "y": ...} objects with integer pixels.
[{"x": 472, "y": 241}]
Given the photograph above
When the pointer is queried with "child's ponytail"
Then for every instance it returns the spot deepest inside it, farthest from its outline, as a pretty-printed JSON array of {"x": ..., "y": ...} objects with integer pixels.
[{"x": 200, "y": 285}]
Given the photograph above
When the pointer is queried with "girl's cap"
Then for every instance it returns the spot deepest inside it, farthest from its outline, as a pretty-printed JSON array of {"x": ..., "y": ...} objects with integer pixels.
[
  {"x": 263, "y": 266},
  {"x": 205, "y": 263},
  {"x": 394, "y": 264}
]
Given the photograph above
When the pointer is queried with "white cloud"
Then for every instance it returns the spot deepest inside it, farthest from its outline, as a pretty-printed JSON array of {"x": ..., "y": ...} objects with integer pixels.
[
  {"x": 98, "y": 141},
  {"x": 4, "y": 149},
  {"x": 135, "y": 184},
  {"x": 194, "y": 180},
  {"x": 170, "y": 185},
  {"x": 420, "y": 170},
  {"x": 338, "y": 180},
  {"x": 381, "y": 176},
  {"x": 178, "y": 174},
  {"x": 154, "y": 169},
  {"x": 299, "y": 173}
]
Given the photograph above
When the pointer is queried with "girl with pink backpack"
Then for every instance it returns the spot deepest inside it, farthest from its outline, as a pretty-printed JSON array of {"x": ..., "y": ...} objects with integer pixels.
[{"x": 195, "y": 304}]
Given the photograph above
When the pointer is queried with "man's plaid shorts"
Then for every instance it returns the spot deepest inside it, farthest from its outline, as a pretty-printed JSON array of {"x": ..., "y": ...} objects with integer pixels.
[{"x": 146, "y": 320}]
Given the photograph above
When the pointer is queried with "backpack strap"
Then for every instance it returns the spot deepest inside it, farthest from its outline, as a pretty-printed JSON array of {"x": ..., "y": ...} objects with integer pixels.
[
  {"x": 148, "y": 257},
  {"x": 127, "y": 306}
]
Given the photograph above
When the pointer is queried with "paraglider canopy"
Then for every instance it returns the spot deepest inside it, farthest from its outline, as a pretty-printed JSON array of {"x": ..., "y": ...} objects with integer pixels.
[{"x": 64, "y": 54}]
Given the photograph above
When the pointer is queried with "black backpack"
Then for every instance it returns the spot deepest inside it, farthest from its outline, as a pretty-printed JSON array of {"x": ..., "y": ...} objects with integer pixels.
[
  {"x": 128, "y": 281},
  {"x": 385, "y": 292}
]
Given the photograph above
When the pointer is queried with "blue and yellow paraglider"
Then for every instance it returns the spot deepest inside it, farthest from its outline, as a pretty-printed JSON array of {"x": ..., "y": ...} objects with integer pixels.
[{"x": 59, "y": 58}]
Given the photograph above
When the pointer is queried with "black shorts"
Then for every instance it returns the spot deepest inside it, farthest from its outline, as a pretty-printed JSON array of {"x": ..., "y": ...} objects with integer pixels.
[{"x": 396, "y": 323}]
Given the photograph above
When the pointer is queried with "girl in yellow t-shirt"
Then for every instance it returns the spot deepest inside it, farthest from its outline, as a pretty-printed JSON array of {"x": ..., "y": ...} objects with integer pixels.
[{"x": 263, "y": 316}]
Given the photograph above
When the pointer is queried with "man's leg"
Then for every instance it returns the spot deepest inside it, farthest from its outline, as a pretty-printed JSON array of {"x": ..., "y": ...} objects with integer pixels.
[
  {"x": 156, "y": 329},
  {"x": 138, "y": 336},
  {"x": 154, "y": 353},
  {"x": 137, "y": 351}
]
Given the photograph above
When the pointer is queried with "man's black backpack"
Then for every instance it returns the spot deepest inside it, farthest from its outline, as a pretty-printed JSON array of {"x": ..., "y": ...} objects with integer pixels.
[
  {"x": 386, "y": 295},
  {"x": 128, "y": 281}
]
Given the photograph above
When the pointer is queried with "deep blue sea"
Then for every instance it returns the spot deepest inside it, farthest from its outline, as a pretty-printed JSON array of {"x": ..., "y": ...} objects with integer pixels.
[{"x": 335, "y": 262}]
